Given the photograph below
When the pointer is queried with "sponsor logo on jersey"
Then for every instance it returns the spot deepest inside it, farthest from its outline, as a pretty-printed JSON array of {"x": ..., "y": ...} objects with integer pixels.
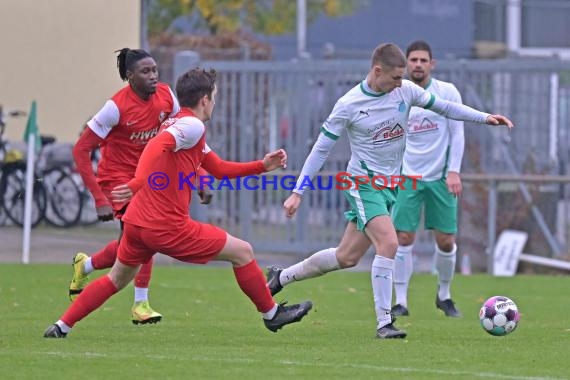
[
  {"x": 425, "y": 125},
  {"x": 388, "y": 134},
  {"x": 143, "y": 136},
  {"x": 383, "y": 124},
  {"x": 129, "y": 123}
]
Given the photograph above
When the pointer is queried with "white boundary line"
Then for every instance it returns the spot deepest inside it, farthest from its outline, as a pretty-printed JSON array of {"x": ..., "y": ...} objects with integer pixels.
[{"x": 88, "y": 355}]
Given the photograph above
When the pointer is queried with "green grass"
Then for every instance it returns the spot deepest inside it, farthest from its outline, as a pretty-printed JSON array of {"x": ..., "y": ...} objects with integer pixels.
[{"x": 211, "y": 331}]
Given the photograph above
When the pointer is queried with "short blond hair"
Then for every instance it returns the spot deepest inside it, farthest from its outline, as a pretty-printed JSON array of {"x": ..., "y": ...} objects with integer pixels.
[{"x": 389, "y": 56}]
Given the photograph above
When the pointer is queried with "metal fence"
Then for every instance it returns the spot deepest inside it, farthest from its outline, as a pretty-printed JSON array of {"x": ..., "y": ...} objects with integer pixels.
[{"x": 266, "y": 105}]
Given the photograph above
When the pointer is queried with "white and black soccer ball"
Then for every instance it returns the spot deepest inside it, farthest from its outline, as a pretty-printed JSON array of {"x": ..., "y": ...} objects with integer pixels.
[{"x": 499, "y": 316}]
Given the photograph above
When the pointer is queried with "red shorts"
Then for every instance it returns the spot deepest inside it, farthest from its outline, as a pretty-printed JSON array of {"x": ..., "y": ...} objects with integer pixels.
[{"x": 195, "y": 242}]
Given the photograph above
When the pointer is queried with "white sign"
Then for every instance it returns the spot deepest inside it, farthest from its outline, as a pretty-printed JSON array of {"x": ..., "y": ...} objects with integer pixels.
[{"x": 507, "y": 252}]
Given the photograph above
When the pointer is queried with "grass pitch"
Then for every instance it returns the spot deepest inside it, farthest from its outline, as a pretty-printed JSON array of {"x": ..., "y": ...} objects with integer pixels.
[{"x": 210, "y": 330}]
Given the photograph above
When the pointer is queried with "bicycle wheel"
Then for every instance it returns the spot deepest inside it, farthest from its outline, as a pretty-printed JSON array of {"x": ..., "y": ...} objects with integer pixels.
[
  {"x": 13, "y": 191},
  {"x": 3, "y": 217},
  {"x": 88, "y": 211},
  {"x": 65, "y": 202}
]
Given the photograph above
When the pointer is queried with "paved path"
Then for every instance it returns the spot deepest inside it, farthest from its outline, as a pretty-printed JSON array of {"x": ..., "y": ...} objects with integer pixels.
[
  {"x": 52, "y": 245},
  {"x": 56, "y": 245}
]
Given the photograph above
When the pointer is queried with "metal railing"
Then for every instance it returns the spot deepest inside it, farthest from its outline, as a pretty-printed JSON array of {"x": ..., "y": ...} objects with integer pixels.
[{"x": 266, "y": 105}]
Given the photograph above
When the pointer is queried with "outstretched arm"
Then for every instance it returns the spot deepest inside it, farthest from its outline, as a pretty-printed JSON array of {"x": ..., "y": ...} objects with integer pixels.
[
  {"x": 499, "y": 120},
  {"x": 316, "y": 159},
  {"x": 330, "y": 132},
  {"x": 458, "y": 111},
  {"x": 230, "y": 169},
  {"x": 312, "y": 165}
]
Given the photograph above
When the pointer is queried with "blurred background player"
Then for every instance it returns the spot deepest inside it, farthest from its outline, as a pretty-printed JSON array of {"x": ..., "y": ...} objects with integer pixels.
[
  {"x": 374, "y": 115},
  {"x": 121, "y": 129},
  {"x": 434, "y": 150},
  {"x": 158, "y": 221}
]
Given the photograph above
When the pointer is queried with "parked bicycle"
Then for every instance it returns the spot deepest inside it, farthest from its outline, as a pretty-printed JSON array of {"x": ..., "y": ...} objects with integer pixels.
[
  {"x": 57, "y": 173},
  {"x": 12, "y": 180},
  {"x": 56, "y": 195}
]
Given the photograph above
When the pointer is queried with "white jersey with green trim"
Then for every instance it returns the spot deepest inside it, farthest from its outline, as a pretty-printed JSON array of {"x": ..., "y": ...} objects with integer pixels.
[
  {"x": 429, "y": 149},
  {"x": 376, "y": 126}
]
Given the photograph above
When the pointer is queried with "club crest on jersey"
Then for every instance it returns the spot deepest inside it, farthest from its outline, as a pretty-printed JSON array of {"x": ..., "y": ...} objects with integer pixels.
[
  {"x": 162, "y": 116},
  {"x": 388, "y": 134},
  {"x": 402, "y": 106},
  {"x": 426, "y": 125}
]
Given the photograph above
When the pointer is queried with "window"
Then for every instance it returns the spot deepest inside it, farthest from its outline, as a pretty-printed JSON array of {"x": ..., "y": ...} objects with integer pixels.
[{"x": 527, "y": 27}]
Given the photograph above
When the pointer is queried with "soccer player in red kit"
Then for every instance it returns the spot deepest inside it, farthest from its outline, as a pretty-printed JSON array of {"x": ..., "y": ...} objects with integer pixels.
[
  {"x": 122, "y": 128},
  {"x": 157, "y": 219}
]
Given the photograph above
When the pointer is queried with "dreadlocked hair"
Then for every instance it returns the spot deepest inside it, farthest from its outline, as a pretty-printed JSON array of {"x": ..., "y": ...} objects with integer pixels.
[{"x": 127, "y": 58}]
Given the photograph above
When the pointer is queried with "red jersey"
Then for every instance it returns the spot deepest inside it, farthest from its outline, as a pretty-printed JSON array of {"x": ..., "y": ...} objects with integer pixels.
[
  {"x": 167, "y": 168},
  {"x": 167, "y": 206},
  {"x": 126, "y": 123}
]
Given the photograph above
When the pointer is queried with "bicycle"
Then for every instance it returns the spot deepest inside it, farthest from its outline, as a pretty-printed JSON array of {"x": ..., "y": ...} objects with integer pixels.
[
  {"x": 56, "y": 195},
  {"x": 55, "y": 167},
  {"x": 12, "y": 181}
]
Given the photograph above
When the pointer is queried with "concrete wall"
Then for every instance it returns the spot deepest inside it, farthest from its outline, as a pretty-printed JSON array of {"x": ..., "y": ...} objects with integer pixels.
[{"x": 61, "y": 53}]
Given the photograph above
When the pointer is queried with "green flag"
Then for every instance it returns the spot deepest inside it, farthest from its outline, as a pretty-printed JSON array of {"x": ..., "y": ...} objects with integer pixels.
[{"x": 32, "y": 127}]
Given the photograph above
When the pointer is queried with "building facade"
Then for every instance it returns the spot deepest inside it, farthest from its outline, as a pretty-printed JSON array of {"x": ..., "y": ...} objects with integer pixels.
[{"x": 61, "y": 54}]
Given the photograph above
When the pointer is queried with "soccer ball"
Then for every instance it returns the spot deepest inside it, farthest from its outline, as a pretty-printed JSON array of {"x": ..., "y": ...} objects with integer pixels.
[{"x": 499, "y": 316}]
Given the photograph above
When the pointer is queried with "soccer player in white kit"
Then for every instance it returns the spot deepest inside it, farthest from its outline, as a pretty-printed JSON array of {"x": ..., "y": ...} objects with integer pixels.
[
  {"x": 434, "y": 150},
  {"x": 374, "y": 114}
]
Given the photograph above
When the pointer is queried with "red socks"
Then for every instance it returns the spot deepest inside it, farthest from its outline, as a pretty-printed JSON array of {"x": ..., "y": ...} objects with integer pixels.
[
  {"x": 93, "y": 296},
  {"x": 249, "y": 277},
  {"x": 143, "y": 277},
  {"x": 105, "y": 258},
  {"x": 252, "y": 282}
]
